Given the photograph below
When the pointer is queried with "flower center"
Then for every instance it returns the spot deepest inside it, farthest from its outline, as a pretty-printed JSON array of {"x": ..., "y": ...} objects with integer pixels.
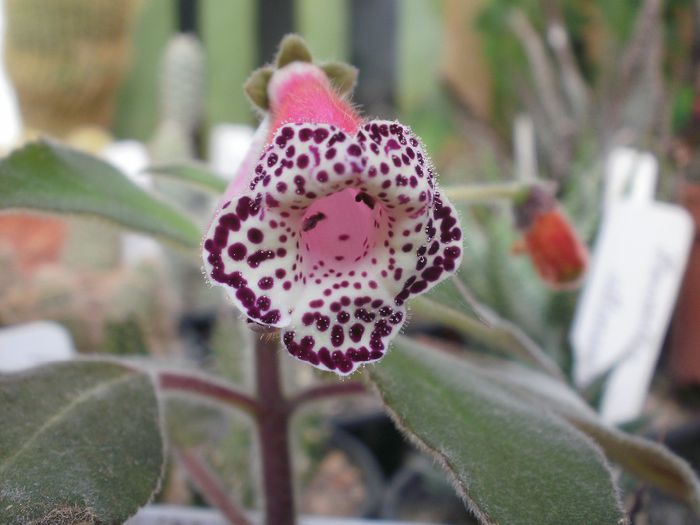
[{"x": 340, "y": 230}]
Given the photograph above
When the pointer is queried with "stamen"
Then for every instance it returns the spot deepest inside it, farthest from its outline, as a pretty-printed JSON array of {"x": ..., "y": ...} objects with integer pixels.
[
  {"x": 311, "y": 222},
  {"x": 363, "y": 197}
]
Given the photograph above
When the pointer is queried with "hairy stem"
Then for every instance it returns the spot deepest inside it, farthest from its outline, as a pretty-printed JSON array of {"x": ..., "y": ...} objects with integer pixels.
[
  {"x": 544, "y": 75},
  {"x": 210, "y": 487},
  {"x": 273, "y": 432},
  {"x": 486, "y": 192},
  {"x": 207, "y": 387},
  {"x": 492, "y": 331},
  {"x": 272, "y": 412}
]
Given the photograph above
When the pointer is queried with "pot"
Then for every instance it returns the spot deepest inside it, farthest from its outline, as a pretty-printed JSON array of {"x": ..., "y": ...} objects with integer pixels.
[{"x": 174, "y": 515}]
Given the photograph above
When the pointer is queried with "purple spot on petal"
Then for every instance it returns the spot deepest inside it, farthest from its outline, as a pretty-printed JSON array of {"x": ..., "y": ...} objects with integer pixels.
[
  {"x": 355, "y": 332},
  {"x": 266, "y": 283},
  {"x": 337, "y": 335},
  {"x": 237, "y": 251},
  {"x": 255, "y": 236}
]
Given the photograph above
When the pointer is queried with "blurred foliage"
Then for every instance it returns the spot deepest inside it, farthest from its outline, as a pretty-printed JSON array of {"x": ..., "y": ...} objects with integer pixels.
[
  {"x": 505, "y": 59},
  {"x": 137, "y": 103},
  {"x": 623, "y": 79},
  {"x": 125, "y": 338},
  {"x": 68, "y": 189},
  {"x": 228, "y": 34},
  {"x": 328, "y": 39}
]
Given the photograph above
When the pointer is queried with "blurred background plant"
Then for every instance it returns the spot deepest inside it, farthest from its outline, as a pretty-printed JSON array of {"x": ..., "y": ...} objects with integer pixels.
[{"x": 501, "y": 91}]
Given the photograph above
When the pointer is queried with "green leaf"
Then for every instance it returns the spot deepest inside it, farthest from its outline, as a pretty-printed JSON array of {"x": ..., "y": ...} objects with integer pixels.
[
  {"x": 446, "y": 305},
  {"x": 80, "y": 442},
  {"x": 650, "y": 461},
  {"x": 47, "y": 177},
  {"x": 197, "y": 175},
  {"x": 511, "y": 461}
]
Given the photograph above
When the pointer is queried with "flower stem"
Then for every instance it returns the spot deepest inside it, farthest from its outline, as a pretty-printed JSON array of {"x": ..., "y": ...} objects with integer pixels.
[
  {"x": 273, "y": 432},
  {"x": 486, "y": 192},
  {"x": 272, "y": 412},
  {"x": 499, "y": 334},
  {"x": 207, "y": 387}
]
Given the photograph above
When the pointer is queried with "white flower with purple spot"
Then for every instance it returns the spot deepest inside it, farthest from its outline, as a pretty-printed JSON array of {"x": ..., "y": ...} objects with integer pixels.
[{"x": 338, "y": 229}]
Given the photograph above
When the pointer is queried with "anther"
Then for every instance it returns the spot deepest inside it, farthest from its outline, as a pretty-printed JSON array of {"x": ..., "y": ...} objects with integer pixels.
[
  {"x": 363, "y": 197},
  {"x": 311, "y": 222}
]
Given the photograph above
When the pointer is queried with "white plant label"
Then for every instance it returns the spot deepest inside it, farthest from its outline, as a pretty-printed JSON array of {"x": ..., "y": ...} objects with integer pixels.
[
  {"x": 630, "y": 175},
  {"x": 627, "y": 301}
]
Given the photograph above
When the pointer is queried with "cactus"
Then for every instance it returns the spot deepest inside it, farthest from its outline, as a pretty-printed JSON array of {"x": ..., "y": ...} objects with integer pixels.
[
  {"x": 181, "y": 90},
  {"x": 182, "y": 81}
]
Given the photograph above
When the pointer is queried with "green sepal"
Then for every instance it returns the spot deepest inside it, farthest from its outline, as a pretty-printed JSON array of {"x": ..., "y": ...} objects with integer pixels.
[
  {"x": 292, "y": 48},
  {"x": 256, "y": 86},
  {"x": 343, "y": 76}
]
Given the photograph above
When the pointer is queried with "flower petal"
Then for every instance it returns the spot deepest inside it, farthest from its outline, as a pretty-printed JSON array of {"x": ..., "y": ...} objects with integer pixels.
[
  {"x": 251, "y": 252},
  {"x": 424, "y": 241},
  {"x": 341, "y": 330}
]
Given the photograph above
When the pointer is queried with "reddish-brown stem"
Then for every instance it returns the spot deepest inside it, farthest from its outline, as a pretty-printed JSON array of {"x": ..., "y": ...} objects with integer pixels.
[
  {"x": 322, "y": 392},
  {"x": 210, "y": 487},
  {"x": 273, "y": 432},
  {"x": 272, "y": 412},
  {"x": 207, "y": 387}
]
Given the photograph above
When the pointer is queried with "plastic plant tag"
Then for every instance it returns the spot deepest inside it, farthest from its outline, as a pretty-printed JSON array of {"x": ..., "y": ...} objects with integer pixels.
[
  {"x": 27, "y": 345},
  {"x": 629, "y": 175},
  {"x": 627, "y": 301}
]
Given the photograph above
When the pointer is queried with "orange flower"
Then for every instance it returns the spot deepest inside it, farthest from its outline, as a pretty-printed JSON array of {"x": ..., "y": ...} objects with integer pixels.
[{"x": 557, "y": 253}]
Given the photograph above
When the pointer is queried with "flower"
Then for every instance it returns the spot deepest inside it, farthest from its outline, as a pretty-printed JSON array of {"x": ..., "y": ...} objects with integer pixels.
[
  {"x": 557, "y": 253},
  {"x": 341, "y": 224}
]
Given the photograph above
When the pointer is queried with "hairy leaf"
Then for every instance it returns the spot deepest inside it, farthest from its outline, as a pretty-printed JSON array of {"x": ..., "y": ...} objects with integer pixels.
[
  {"x": 446, "y": 304},
  {"x": 511, "y": 461},
  {"x": 197, "y": 175},
  {"x": 80, "y": 442},
  {"x": 48, "y": 177},
  {"x": 650, "y": 461}
]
